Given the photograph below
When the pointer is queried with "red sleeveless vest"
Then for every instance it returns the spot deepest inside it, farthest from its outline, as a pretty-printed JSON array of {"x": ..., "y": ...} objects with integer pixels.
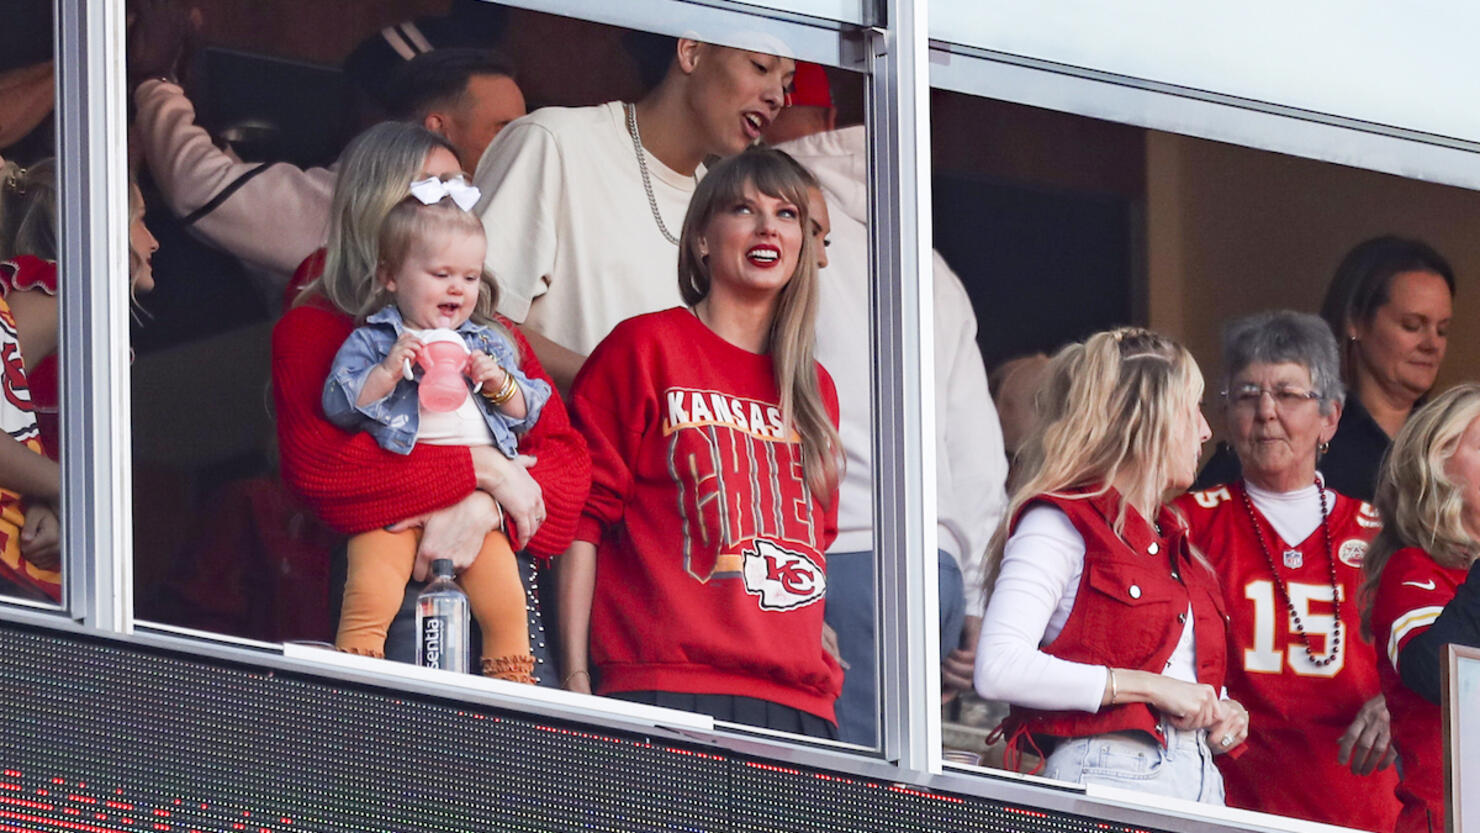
[{"x": 1129, "y": 612}]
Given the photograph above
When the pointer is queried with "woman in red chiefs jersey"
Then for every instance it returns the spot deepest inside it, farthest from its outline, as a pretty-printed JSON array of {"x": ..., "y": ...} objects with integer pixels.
[
  {"x": 1103, "y": 630},
  {"x": 698, "y": 567},
  {"x": 346, "y": 478},
  {"x": 1423, "y": 590},
  {"x": 1288, "y": 551},
  {"x": 30, "y": 479}
]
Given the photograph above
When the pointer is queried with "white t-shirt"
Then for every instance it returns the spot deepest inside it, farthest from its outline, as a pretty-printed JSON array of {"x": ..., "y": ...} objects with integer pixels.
[
  {"x": 463, "y": 426},
  {"x": 571, "y": 237},
  {"x": 1294, "y": 515}
]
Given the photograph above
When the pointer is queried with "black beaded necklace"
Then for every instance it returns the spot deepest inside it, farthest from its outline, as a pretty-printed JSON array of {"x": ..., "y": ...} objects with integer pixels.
[{"x": 1333, "y": 649}]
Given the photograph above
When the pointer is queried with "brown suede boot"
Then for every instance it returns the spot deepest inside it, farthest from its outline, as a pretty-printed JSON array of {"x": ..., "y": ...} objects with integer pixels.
[{"x": 516, "y": 668}]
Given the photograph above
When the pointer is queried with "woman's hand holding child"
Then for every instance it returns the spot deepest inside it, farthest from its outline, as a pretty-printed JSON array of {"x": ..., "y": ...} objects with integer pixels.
[{"x": 511, "y": 485}]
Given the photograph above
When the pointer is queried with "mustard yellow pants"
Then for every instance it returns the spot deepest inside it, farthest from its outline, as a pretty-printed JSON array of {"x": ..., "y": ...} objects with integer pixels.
[{"x": 380, "y": 564}]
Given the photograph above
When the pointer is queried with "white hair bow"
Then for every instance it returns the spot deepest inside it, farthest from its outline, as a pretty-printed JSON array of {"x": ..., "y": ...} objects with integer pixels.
[{"x": 432, "y": 190}]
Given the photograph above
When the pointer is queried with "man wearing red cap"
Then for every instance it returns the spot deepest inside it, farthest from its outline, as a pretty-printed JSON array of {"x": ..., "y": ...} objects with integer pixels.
[
  {"x": 809, "y": 107},
  {"x": 583, "y": 205},
  {"x": 971, "y": 466}
]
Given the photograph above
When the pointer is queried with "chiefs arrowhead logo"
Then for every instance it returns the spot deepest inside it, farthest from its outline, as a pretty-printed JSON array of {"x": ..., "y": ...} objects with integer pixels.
[
  {"x": 1353, "y": 552},
  {"x": 780, "y": 578}
]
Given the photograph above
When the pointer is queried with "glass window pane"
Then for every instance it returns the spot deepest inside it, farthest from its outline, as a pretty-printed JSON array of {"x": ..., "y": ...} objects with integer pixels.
[
  {"x": 824, "y": 130},
  {"x": 1032, "y": 207},
  {"x": 30, "y": 481},
  {"x": 1116, "y": 224},
  {"x": 262, "y": 496},
  {"x": 846, "y": 11}
]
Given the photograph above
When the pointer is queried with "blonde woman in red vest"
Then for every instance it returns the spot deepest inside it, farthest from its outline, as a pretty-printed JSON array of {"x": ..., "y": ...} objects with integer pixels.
[{"x": 1103, "y": 629}]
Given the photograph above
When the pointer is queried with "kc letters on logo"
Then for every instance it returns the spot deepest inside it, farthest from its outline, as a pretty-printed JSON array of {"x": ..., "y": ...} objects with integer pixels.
[
  {"x": 781, "y": 578},
  {"x": 744, "y": 506}
]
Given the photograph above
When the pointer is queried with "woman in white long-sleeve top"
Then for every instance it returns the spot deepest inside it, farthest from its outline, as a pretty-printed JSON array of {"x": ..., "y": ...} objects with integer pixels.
[{"x": 1103, "y": 629}]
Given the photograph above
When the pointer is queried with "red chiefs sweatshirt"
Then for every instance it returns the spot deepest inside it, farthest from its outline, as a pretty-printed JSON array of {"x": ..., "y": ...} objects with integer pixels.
[{"x": 710, "y": 567}]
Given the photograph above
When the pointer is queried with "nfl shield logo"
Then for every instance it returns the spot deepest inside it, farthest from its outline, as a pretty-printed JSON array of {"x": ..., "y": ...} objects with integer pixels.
[{"x": 1293, "y": 559}]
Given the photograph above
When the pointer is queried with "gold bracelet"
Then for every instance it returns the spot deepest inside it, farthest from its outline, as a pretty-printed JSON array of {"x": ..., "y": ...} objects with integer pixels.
[
  {"x": 572, "y": 675},
  {"x": 1114, "y": 689},
  {"x": 505, "y": 391}
]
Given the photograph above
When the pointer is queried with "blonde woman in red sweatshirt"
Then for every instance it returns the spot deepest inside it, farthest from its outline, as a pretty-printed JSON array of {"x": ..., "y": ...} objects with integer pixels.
[{"x": 698, "y": 574}]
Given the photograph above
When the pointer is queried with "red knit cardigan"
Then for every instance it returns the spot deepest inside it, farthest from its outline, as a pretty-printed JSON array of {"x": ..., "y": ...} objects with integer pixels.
[{"x": 354, "y": 485}]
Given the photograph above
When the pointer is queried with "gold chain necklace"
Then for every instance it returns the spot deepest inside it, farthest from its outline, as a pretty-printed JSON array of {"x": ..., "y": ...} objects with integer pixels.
[{"x": 647, "y": 182}]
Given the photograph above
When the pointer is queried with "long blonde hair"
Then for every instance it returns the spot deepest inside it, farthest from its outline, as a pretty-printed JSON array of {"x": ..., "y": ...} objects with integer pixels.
[
  {"x": 375, "y": 172},
  {"x": 793, "y": 329},
  {"x": 1419, "y": 504},
  {"x": 28, "y": 209},
  {"x": 1114, "y": 405}
]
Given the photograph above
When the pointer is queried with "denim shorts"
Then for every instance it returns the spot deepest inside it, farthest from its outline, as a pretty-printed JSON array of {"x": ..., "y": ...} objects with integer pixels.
[{"x": 1134, "y": 761}]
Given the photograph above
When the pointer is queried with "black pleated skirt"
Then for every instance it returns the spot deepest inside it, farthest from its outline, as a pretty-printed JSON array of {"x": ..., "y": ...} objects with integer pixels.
[{"x": 736, "y": 709}]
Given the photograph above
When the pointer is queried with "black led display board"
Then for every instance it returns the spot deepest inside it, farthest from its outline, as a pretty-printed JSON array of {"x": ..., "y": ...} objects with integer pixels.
[{"x": 100, "y": 737}]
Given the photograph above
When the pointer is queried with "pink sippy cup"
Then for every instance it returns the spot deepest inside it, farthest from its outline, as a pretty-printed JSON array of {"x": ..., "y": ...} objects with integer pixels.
[{"x": 443, "y": 360}]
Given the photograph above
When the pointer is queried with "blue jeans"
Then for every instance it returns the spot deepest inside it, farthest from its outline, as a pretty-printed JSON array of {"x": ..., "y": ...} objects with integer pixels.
[
  {"x": 850, "y": 612},
  {"x": 1133, "y": 761}
]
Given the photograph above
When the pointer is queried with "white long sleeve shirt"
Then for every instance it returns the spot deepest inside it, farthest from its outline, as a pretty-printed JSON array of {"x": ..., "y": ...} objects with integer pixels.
[
  {"x": 271, "y": 223},
  {"x": 1294, "y": 515}
]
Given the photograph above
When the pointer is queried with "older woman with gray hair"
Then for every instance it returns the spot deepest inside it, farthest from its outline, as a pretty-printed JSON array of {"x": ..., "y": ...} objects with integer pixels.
[{"x": 1288, "y": 552}]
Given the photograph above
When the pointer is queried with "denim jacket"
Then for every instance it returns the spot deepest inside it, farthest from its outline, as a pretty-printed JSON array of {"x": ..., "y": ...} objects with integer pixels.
[{"x": 393, "y": 420}]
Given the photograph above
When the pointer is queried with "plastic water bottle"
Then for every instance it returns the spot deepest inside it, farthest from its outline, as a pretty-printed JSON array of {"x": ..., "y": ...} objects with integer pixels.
[{"x": 442, "y": 622}]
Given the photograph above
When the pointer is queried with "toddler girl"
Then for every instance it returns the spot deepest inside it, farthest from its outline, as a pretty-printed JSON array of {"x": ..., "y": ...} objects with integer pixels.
[{"x": 431, "y": 277}]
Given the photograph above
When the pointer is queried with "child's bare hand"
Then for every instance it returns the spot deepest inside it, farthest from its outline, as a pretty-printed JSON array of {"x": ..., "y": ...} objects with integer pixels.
[
  {"x": 483, "y": 369},
  {"x": 406, "y": 349},
  {"x": 41, "y": 537}
]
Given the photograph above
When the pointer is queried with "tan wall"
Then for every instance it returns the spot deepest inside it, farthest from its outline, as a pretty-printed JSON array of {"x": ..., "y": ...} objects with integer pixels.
[{"x": 1233, "y": 231}]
